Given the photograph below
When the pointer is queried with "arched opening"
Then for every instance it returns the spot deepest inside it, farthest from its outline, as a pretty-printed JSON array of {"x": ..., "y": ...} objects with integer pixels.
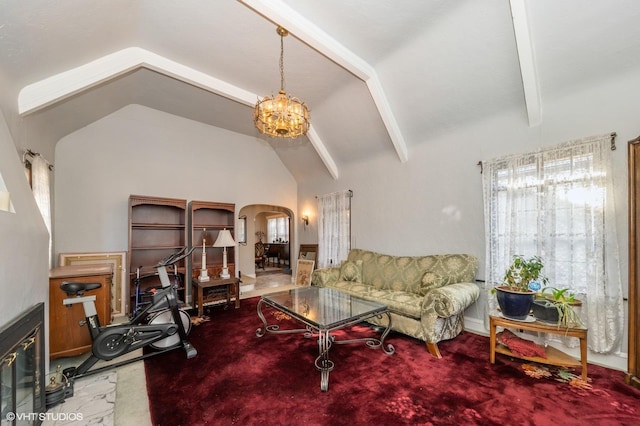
[{"x": 273, "y": 226}]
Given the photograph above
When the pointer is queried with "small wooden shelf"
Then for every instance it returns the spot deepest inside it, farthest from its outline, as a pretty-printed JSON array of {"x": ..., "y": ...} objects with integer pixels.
[
  {"x": 202, "y": 297},
  {"x": 157, "y": 226},
  {"x": 554, "y": 356}
]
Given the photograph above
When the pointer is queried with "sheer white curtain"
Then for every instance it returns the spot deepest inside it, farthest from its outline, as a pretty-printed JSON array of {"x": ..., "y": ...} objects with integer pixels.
[
  {"x": 334, "y": 228},
  {"x": 40, "y": 188},
  {"x": 558, "y": 204}
]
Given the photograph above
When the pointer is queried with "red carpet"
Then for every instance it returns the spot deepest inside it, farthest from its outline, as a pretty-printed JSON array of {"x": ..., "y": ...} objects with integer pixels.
[{"x": 238, "y": 378}]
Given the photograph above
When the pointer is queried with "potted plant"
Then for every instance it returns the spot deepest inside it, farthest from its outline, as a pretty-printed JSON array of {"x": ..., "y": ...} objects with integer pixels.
[
  {"x": 557, "y": 306},
  {"x": 522, "y": 280}
]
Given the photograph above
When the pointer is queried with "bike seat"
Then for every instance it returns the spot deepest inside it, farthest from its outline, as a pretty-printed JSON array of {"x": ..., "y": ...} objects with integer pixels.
[{"x": 78, "y": 289}]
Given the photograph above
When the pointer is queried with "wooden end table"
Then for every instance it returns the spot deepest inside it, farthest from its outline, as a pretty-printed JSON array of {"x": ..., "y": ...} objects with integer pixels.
[
  {"x": 227, "y": 283},
  {"x": 554, "y": 356}
]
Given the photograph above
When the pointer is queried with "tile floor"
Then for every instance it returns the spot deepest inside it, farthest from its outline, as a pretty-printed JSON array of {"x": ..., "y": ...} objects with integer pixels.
[{"x": 119, "y": 397}]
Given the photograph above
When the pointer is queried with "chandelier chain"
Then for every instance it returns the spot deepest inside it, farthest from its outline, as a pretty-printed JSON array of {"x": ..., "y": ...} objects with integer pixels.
[{"x": 281, "y": 62}]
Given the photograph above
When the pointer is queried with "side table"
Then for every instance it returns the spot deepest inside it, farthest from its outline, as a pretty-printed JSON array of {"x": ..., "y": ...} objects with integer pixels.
[
  {"x": 227, "y": 283},
  {"x": 554, "y": 356}
]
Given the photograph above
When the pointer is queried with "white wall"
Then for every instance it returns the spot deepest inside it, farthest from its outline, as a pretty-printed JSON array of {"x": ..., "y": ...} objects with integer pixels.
[
  {"x": 138, "y": 150},
  {"x": 24, "y": 269},
  {"x": 433, "y": 203}
]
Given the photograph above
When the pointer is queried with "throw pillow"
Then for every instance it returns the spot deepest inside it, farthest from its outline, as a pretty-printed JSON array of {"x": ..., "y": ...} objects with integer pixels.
[
  {"x": 520, "y": 346},
  {"x": 351, "y": 271},
  {"x": 431, "y": 280}
]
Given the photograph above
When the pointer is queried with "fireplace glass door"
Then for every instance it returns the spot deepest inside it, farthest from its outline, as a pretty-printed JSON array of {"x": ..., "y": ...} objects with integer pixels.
[{"x": 22, "y": 375}]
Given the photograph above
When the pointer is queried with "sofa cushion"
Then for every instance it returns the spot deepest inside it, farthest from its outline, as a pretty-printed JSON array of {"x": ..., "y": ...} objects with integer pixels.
[
  {"x": 351, "y": 271},
  {"x": 431, "y": 280},
  {"x": 407, "y": 304},
  {"x": 401, "y": 302}
]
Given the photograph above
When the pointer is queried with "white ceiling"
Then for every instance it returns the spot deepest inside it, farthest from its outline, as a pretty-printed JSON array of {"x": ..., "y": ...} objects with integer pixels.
[{"x": 380, "y": 77}]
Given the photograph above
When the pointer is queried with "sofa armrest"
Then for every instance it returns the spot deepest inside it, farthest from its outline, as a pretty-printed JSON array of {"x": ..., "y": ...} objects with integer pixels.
[
  {"x": 324, "y": 277},
  {"x": 451, "y": 299}
]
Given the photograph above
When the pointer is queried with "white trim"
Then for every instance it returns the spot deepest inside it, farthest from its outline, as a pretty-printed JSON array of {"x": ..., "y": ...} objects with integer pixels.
[
  {"x": 380, "y": 99},
  {"x": 527, "y": 61},
  {"x": 61, "y": 86},
  {"x": 321, "y": 149}
]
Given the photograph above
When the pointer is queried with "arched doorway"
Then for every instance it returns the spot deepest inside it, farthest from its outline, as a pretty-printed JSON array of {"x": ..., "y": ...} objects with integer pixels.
[{"x": 256, "y": 217}]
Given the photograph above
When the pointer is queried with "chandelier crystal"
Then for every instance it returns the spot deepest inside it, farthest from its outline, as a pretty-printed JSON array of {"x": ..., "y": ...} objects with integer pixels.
[{"x": 281, "y": 116}]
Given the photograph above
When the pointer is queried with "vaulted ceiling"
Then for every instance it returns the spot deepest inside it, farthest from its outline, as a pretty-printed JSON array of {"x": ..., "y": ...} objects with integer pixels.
[{"x": 380, "y": 77}]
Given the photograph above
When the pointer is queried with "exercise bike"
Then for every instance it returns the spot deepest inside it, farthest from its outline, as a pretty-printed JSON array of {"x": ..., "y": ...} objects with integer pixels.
[{"x": 161, "y": 325}]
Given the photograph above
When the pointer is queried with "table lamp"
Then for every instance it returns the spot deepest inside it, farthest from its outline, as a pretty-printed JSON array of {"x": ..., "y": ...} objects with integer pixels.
[{"x": 224, "y": 240}]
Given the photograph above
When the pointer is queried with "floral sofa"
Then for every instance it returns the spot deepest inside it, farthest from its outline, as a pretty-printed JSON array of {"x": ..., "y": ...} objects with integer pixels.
[{"x": 426, "y": 295}]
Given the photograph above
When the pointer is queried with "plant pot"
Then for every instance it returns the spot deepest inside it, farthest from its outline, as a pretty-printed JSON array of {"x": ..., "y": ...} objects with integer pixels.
[
  {"x": 544, "y": 313},
  {"x": 548, "y": 311},
  {"x": 514, "y": 304}
]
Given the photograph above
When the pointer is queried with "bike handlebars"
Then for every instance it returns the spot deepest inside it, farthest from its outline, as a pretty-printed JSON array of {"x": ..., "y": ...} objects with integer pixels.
[{"x": 175, "y": 257}]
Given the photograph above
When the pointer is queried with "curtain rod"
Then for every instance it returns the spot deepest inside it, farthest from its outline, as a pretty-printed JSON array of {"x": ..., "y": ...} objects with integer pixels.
[
  {"x": 337, "y": 192},
  {"x": 613, "y": 148},
  {"x": 30, "y": 153}
]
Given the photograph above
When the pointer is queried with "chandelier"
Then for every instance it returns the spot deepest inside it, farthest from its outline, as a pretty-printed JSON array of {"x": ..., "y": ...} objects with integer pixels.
[{"x": 281, "y": 115}]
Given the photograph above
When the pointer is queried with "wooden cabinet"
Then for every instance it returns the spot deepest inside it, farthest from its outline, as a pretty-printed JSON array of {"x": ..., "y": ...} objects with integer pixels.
[
  {"x": 68, "y": 334},
  {"x": 277, "y": 254},
  {"x": 206, "y": 220},
  {"x": 157, "y": 228}
]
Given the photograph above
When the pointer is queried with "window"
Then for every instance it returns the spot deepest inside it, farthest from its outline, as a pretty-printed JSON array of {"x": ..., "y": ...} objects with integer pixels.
[
  {"x": 334, "y": 228},
  {"x": 278, "y": 229},
  {"x": 558, "y": 204},
  {"x": 39, "y": 179}
]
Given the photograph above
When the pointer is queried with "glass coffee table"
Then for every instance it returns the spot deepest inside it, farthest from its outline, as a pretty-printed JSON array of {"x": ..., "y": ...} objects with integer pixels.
[{"x": 323, "y": 310}]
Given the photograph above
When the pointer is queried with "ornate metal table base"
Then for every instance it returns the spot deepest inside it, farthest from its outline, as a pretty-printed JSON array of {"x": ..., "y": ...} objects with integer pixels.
[{"x": 326, "y": 340}]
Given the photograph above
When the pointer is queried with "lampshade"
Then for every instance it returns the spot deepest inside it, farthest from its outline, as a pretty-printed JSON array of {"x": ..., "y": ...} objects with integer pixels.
[{"x": 224, "y": 239}]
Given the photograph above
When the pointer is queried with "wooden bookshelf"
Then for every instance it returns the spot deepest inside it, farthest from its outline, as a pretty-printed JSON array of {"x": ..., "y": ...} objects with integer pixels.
[
  {"x": 157, "y": 228},
  {"x": 206, "y": 220}
]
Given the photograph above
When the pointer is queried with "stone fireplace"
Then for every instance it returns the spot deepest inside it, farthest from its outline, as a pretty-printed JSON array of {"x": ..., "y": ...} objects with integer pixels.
[{"x": 22, "y": 379}]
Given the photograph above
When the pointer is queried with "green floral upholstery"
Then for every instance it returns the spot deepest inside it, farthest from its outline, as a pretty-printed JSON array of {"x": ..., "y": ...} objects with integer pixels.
[
  {"x": 351, "y": 271},
  {"x": 426, "y": 295}
]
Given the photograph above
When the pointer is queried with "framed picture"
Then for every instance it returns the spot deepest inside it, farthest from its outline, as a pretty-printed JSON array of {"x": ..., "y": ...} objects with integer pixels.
[
  {"x": 242, "y": 230},
  {"x": 308, "y": 251},
  {"x": 303, "y": 272},
  {"x": 119, "y": 282}
]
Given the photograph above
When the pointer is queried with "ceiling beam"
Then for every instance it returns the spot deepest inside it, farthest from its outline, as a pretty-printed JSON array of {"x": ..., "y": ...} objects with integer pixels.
[
  {"x": 305, "y": 30},
  {"x": 61, "y": 86},
  {"x": 321, "y": 149},
  {"x": 527, "y": 61}
]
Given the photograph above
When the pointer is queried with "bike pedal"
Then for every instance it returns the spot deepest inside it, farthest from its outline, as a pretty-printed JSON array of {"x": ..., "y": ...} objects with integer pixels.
[
  {"x": 190, "y": 350},
  {"x": 69, "y": 372}
]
